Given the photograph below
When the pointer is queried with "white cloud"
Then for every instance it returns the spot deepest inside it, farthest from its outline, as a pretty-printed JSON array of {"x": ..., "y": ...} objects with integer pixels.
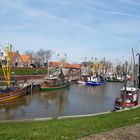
[
  {"x": 106, "y": 11},
  {"x": 33, "y": 13},
  {"x": 133, "y": 2}
]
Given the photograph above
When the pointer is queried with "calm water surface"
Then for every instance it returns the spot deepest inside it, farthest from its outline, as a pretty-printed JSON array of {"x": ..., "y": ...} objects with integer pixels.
[{"x": 74, "y": 100}]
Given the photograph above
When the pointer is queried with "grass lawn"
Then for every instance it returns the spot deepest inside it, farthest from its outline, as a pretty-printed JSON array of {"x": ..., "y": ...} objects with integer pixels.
[
  {"x": 67, "y": 128},
  {"x": 27, "y": 71}
]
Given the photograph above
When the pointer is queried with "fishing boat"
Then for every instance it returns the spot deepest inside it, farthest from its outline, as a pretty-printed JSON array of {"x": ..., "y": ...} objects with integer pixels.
[
  {"x": 95, "y": 81},
  {"x": 130, "y": 98},
  {"x": 81, "y": 81},
  {"x": 110, "y": 77},
  {"x": 9, "y": 91},
  {"x": 120, "y": 79},
  {"x": 55, "y": 82},
  {"x": 111, "y": 80},
  {"x": 92, "y": 83}
]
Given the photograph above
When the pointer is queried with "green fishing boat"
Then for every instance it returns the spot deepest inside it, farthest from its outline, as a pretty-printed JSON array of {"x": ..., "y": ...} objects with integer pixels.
[
  {"x": 50, "y": 86},
  {"x": 54, "y": 83}
]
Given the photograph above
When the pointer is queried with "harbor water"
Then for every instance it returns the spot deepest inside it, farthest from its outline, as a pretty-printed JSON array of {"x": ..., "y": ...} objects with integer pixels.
[{"x": 73, "y": 100}]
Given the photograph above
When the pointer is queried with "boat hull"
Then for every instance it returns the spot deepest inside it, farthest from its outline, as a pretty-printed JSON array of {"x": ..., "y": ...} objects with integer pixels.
[
  {"x": 109, "y": 80},
  {"x": 91, "y": 83},
  {"x": 53, "y": 88},
  {"x": 81, "y": 82},
  {"x": 12, "y": 94},
  {"x": 119, "y": 104}
]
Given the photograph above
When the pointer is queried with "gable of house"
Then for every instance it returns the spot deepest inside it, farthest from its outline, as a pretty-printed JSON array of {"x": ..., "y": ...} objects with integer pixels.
[
  {"x": 76, "y": 66},
  {"x": 54, "y": 64},
  {"x": 15, "y": 58},
  {"x": 26, "y": 58}
]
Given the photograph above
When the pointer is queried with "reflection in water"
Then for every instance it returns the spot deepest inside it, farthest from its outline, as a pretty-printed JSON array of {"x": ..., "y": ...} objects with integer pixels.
[
  {"x": 8, "y": 110},
  {"x": 57, "y": 97},
  {"x": 74, "y": 100}
]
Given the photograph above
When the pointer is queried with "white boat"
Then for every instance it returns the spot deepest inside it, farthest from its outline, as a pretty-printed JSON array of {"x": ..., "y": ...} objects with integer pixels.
[
  {"x": 131, "y": 97},
  {"x": 80, "y": 82}
]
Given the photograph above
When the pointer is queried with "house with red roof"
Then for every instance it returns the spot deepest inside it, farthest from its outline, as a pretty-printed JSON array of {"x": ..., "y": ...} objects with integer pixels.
[
  {"x": 54, "y": 64},
  {"x": 74, "y": 69},
  {"x": 26, "y": 60},
  {"x": 16, "y": 60}
]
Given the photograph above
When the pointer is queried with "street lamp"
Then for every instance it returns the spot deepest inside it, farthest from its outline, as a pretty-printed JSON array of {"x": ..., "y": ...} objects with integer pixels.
[{"x": 62, "y": 58}]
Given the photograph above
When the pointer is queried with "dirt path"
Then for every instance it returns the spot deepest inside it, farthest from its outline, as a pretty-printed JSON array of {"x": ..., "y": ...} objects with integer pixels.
[{"x": 125, "y": 133}]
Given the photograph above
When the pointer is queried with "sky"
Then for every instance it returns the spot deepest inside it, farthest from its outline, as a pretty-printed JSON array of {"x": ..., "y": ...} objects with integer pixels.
[{"x": 78, "y": 28}]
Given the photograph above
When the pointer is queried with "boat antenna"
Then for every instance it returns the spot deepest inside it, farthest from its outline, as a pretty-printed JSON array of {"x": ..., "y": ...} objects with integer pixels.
[
  {"x": 134, "y": 69},
  {"x": 139, "y": 69}
]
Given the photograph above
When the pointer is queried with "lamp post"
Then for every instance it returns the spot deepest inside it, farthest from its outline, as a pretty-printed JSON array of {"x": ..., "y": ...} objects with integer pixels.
[{"x": 62, "y": 58}]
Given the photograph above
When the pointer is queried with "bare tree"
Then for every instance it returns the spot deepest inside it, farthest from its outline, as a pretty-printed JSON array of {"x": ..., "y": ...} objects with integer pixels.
[
  {"x": 43, "y": 56},
  {"x": 33, "y": 54}
]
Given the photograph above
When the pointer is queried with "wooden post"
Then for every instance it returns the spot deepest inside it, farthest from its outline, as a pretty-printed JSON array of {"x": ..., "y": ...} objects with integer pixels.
[{"x": 31, "y": 85}]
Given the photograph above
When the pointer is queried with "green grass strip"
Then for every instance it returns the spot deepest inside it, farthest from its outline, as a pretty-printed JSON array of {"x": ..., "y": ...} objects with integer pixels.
[
  {"x": 71, "y": 129},
  {"x": 27, "y": 71}
]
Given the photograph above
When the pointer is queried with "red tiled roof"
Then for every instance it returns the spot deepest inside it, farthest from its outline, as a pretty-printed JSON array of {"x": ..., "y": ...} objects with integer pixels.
[
  {"x": 77, "y": 66},
  {"x": 54, "y": 64},
  {"x": 66, "y": 65},
  {"x": 13, "y": 54},
  {"x": 26, "y": 58}
]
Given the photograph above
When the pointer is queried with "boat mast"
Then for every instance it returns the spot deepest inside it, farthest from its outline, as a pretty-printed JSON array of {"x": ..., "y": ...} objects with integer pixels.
[
  {"x": 134, "y": 69},
  {"x": 8, "y": 54},
  {"x": 1, "y": 62},
  {"x": 7, "y": 68},
  {"x": 125, "y": 84},
  {"x": 139, "y": 70}
]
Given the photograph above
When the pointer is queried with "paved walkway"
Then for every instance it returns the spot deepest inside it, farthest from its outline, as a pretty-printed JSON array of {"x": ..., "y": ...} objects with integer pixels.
[{"x": 125, "y": 133}]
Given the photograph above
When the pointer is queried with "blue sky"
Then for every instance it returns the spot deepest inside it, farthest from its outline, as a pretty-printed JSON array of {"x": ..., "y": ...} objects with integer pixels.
[{"x": 79, "y": 28}]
